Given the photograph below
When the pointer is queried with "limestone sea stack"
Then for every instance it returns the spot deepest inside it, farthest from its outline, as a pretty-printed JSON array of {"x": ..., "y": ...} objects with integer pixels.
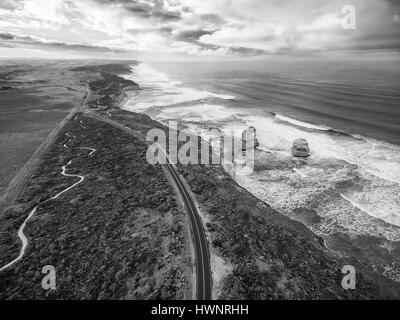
[
  {"x": 249, "y": 139},
  {"x": 301, "y": 148}
]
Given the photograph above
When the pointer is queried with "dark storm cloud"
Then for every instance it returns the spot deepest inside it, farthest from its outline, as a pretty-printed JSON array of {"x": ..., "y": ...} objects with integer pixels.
[
  {"x": 80, "y": 47},
  {"x": 15, "y": 41},
  {"x": 243, "y": 51},
  {"x": 162, "y": 30},
  {"x": 212, "y": 18},
  {"x": 192, "y": 35},
  {"x": 233, "y": 51},
  {"x": 167, "y": 16},
  {"x": 377, "y": 32},
  {"x": 378, "y": 28},
  {"x": 202, "y": 27},
  {"x": 6, "y": 36},
  {"x": 8, "y": 4},
  {"x": 394, "y": 6},
  {"x": 139, "y": 11},
  {"x": 154, "y": 10},
  {"x": 373, "y": 42}
]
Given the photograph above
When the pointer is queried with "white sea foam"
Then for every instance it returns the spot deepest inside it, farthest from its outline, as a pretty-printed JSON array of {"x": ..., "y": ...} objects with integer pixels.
[
  {"x": 335, "y": 159},
  {"x": 198, "y": 112},
  {"x": 160, "y": 91},
  {"x": 300, "y": 173},
  {"x": 375, "y": 163},
  {"x": 358, "y": 205},
  {"x": 301, "y": 123},
  {"x": 378, "y": 160},
  {"x": 171, "y": 97},
  {"x": 347, "y": 216},
  {"x": 380, "y": 201}
]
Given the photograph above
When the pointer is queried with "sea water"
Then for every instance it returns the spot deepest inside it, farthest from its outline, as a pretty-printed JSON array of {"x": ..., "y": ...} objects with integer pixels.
[{"x": 349, "y": 112}]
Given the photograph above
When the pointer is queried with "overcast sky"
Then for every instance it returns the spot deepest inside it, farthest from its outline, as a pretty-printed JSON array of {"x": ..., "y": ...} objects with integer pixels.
[{"x": 195, "y": 28}]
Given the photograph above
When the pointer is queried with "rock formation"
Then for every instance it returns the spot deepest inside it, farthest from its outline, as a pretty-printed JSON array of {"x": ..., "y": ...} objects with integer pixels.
[
  {"x": 249, "y": 139},
  {"x": 300, "y": 148}
]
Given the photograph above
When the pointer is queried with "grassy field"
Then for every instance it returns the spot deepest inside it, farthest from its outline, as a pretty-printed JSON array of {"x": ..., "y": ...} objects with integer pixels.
[{"x": 33, "y": 99}]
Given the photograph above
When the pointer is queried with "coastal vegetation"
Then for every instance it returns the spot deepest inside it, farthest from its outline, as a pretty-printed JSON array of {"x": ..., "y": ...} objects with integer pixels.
[
  {"x": 118, "y": 235},
  {"x": 121, "y": 234},
  {"x": 272, "y": 256}
]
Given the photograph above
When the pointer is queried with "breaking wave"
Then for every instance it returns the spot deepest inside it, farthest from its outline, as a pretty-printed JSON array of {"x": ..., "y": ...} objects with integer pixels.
[{"x": 348, "y": 169}]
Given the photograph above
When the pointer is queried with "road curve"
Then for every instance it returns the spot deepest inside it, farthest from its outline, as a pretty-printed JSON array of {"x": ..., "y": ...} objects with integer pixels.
[
  {"x": 203, "y": 270},
  {"x": 203, "y": 273}
]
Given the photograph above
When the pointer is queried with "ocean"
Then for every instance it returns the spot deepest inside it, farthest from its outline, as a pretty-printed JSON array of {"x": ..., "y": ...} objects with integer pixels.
[{"x": 348, "y": 190}]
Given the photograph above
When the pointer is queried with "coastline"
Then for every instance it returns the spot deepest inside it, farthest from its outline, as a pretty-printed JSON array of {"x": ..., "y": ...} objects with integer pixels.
[
  {"x": 187, "y": 171},
  {"x": 271, "y": 256},
  {"x": 311, "y": 191}
]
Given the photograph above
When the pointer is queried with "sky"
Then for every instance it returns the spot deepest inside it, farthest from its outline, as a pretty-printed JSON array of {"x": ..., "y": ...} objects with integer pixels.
[{"x": 197, "y": 29}]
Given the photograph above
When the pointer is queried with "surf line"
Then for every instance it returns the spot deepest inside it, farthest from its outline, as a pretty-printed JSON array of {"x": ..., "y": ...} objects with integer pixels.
[
  {"x": 358, "y": 206},
  {"x": 21, "y": 234},
  {"x": 299, "y": 173}
]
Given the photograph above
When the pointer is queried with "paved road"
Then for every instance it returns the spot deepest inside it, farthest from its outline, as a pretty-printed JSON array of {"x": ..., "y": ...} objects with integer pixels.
[
  {"x": 203, "y": 270},
  {"x": 203, "y": 274}
]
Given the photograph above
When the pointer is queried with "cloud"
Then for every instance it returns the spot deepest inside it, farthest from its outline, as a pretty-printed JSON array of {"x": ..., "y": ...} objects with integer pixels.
[
  {"x": 6, "y": 36},
  {"x": 151, "y": 11},
  {"x": 192, "y": 35},
  {"x": 212, "y": 18},
  {"x": 8, "y": 4},
  {"x": 199, "y": 27},
  {"x": 18, "y": 41}
]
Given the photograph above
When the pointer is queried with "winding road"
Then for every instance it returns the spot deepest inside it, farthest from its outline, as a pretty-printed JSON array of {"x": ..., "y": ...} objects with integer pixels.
[
  {"x": 202, "y": 257},
  {"x": 21, "y": 235}
]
